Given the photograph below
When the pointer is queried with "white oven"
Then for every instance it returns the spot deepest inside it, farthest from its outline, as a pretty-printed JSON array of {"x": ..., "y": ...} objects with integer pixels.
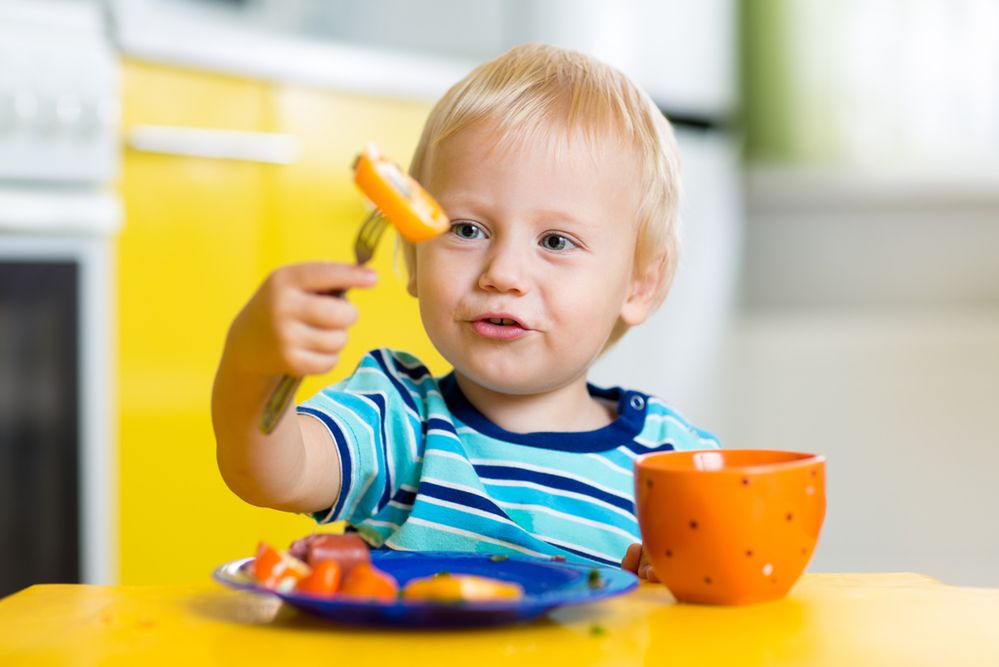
[{"x": 58, "y": 215}]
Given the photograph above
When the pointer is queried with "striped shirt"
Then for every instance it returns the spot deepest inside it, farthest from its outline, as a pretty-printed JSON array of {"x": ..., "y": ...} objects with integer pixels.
[{"x": 422, "y": 469}]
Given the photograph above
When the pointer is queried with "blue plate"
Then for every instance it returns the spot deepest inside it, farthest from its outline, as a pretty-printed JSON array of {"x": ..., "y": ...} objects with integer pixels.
[{"x": 547, "y": 584}]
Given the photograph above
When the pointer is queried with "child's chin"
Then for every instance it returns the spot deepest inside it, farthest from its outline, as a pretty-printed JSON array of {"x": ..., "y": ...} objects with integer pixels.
[{"x": 511, "y": 379}]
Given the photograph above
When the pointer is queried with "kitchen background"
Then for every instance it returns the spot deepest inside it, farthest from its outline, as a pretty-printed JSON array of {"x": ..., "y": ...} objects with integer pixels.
[{"x": 839, "y": 291}]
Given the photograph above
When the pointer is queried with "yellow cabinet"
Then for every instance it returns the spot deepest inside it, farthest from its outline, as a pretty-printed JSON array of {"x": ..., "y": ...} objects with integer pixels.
[{"x": 200, "y": 235}]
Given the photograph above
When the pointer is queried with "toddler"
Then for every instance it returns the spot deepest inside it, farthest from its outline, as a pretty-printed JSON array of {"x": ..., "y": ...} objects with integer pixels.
[{"x": 560, "y": 178}]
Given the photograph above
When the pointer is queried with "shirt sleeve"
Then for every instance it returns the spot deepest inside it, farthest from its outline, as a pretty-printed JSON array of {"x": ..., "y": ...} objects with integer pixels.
[
  {"x": 375, "y": 419},
  {"x": 671, "y": 428}
]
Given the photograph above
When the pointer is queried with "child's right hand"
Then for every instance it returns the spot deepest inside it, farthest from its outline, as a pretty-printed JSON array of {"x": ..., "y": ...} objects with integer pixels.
[{"x": 291, "y": 325}]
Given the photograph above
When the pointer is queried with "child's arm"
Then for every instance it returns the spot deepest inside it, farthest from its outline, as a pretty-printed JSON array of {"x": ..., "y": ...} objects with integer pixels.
[{"x": 289, "y": 327}]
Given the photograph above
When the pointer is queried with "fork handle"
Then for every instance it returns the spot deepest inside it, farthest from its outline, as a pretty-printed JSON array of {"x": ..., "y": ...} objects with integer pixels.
[
  {"x": 277, "y": 402},
  {"x": 285, "y": 390}
]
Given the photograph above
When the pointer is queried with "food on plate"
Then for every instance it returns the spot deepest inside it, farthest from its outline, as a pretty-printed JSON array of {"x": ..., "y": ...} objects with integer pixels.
[
  {"x": 445, "y": 587},
  {"x": 327, "y": 565},
  {"x": 277, "y": 570},
  {"x": 348, "y": 550},
  {"x": 323, "y": 581},
  {"x": 367, "y": 581},
  {"x": 324, "y": 565}
]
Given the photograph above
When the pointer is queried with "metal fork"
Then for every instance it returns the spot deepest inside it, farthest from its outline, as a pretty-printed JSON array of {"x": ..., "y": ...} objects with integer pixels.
[{"x": 364, "y": 249}]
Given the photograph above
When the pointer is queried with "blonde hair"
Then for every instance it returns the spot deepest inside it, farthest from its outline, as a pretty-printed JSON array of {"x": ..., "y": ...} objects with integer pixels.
[{"x": 538, "y": 90}]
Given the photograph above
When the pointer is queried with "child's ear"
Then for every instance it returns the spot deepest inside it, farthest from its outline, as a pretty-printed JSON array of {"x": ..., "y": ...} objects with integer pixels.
[{"x": 644, "y": 291}]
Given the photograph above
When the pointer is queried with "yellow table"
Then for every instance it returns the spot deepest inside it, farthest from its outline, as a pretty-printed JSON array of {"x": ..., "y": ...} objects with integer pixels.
[{"x": 828, "y": 619}]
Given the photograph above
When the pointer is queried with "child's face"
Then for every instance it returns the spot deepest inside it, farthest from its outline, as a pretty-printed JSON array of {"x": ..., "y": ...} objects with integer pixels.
[{"x": 523, "y": 291}]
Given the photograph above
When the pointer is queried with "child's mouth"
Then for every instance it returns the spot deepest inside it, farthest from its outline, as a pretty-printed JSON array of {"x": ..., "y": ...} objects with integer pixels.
[{"x": 499, "y": 328}]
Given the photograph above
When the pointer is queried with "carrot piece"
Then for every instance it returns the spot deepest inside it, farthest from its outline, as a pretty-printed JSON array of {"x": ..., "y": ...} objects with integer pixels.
[
  {"x": 323, "y": 581},
  {"x": 367, "y": 581}
]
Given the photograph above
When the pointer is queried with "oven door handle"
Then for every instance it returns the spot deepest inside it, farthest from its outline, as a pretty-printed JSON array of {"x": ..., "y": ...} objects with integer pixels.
[{"x": 264, "y": 147}]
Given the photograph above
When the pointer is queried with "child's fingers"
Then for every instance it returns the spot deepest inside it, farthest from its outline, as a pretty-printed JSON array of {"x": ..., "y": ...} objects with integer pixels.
[
  {"x": 286, "y": 327},
  {"x": 635, "y": 560},
  {"x": 323, "y": 341},
  {"x": 632, "y": 558},
  {"x": 325, "y": 312},
  {"x": 645, "y": 570},
  {"x": 294, "y": 337},
  {"x": 328, "y": 276},
  {"x": 309, "y": 362}
]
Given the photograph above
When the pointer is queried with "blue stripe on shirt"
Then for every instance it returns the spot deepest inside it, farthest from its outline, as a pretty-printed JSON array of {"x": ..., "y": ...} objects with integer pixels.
[
  {"x": 379, "y": 402},
  {"x": 399, "y": 386},
  {"x": 404, "y": 497},
  {"x": 588, "y": 556},
  {"x": 553, "y": 481},
  {"x": 437, "y": 424},
  {"x": 638, "y": 448},
  {"x": 344, "y": 451},
  {"x": 415, "y": 373},
  {"x": 460, "y": 497}
]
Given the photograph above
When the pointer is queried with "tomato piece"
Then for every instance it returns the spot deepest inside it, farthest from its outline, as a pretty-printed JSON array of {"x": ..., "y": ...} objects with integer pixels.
[
  {"x": 323, "y": 581},
  {"x": 367, "y": 581},
  {"x": 277, "y": 570}
]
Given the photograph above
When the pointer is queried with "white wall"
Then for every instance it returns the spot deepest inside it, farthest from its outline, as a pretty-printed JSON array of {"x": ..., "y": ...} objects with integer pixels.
[
  {"x": 905, "y": 408},
  {"x": 870, "y": 333}
]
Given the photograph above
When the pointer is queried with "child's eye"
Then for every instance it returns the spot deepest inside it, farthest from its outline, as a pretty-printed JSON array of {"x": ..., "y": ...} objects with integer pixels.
[
  {"x": 557, "y": 242},
  {"x": 466, "y": 230}
]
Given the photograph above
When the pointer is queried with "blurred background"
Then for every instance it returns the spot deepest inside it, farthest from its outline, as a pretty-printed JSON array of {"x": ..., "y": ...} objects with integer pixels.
[{"x": 838, "y": 292}]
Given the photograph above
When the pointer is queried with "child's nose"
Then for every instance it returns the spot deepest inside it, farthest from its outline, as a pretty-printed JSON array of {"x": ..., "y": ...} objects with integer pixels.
[{"x": 505, "y": 269}]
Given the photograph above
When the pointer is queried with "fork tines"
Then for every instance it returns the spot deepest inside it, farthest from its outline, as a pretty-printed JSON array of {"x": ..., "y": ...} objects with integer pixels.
[{"x": 367, "y": 236}]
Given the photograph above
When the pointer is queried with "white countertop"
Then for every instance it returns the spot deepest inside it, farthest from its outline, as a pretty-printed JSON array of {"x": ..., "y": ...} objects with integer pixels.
[{"x": 46, "y": 209}]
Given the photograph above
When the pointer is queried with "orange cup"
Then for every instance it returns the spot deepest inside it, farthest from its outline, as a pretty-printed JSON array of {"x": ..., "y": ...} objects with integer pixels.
[{"x": 731, "y": 526}]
